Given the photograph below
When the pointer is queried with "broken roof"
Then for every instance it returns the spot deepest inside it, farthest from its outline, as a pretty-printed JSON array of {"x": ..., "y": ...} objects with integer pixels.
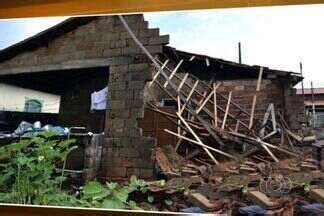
[{"x": 221, "y": 68}]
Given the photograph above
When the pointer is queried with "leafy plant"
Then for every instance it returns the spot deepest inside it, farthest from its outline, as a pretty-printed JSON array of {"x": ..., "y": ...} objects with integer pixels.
[
  {"x": 113, "y": 195},
  {"x": 29, "y": 176}
]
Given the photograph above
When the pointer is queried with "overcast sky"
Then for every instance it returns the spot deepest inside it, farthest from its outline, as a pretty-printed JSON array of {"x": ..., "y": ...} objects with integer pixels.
[{"x": 277, "y": 37}]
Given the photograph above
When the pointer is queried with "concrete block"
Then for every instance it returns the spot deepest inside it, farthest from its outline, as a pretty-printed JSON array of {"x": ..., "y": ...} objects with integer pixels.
[
  {"x": 136, "y": 84},
  {"x": 117, "y": 104},
  {"x": 117, "y": 85},
  {"x": 149, "y": 32},
  {"x": 119, "y": 113},
  {"x": 138, "y": 67},
  {"x": 132, "y": 171},
  {"x": 146, "y": 173},
  {"x": 164, "y": 39}
]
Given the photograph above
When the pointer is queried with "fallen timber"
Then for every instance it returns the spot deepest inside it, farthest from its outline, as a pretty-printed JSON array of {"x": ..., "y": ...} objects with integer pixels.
[{"x": 204, "y": 124}]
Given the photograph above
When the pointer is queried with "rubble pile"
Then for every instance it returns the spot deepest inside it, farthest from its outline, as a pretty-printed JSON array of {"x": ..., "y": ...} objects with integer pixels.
[
  {"x": 232, "y": 161},
  {"x": 228, "y": 155}
]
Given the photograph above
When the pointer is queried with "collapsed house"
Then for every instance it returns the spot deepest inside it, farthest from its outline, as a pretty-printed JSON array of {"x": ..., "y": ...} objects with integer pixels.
[
  {"x": 160, "y": 101},
  {"x": 81, "y": 55}
]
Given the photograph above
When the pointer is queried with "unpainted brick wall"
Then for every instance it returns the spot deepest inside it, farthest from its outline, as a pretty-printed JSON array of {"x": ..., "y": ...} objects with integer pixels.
[
  {"x": 126, "y": 151},
  {"x": 274, "y": 91}
]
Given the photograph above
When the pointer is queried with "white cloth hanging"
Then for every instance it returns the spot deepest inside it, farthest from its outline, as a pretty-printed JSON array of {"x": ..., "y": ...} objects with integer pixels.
[{"x": 99, "y": 99}]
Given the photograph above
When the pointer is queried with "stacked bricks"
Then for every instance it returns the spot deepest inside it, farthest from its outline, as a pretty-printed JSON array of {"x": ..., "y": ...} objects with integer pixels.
[
  {"x": 92, "y": 157},
  {"x": 294, "y": 109},
  {"x": 243, "y": 92},
  {"x": 126, "y": 151}
]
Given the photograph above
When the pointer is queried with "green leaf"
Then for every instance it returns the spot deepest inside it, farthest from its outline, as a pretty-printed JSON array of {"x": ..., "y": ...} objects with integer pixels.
[
  {"x": 92, "y": 188},
  {"x": 112, "y": 185},
  {"x": 113, "y": 204},
  {"x": 122, "y": 194},
  {"x": 133, "y": 205},
  {"x": 168, "y": 202},
  {"x": 150, "y": 199}
]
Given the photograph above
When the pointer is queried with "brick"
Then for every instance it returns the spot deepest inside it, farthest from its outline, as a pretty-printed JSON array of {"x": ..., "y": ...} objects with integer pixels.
[
  {"x": 136, "y": 84},
  {"x": 138, "y": 67},
  {"x": 154, "y": 49},
  {"x": 149, "y": 32},
  {"x": 145, "y": 75},
  {"x": 118, "y": 44},
  {"x": 114, "y": 171},
  {"x": 146, "y": 173},
  {"x": 117, "y": 123},
  {"x": 125, "y": 94},
  {"x": 117, "y": 85},
  {"x": 137, "y": 113},
  {"x": 138, "y": 94},
  {"x": 132, "y": 171},
  {"x": 129, "y": 153},
  {"x": 134, "y": 103},
  {"x": 118, "y": 69},
  {"x": 121, "y": 60},
  {"x": 131, "y": 50},
  {"x": 119, "y": 113},
  {"x": 117, "y": 104},
  {"x": 159, "y": 40}
]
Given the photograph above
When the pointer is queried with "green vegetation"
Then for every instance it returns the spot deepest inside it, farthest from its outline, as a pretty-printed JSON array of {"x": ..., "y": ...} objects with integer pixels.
[{"x": 28, "y": 175}]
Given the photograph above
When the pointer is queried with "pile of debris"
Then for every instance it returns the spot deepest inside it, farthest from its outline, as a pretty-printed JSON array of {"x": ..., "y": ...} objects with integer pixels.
[
  {"x": 225, "y": 155},
  {"x": 219, "y": 156}
]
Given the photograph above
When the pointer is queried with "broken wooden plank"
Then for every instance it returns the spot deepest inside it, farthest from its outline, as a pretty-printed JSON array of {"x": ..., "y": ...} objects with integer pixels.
[
  {"x": 202, "y": 202},
  {"x": 197, "y": 138},
  {"x": 255, "y": 97},
  {"x": 317, "y": 195},
  {"x": 182, "y": 82},
  {"x": 215, "y": 105},
  {"x": 201, "y": 144},
  {"x": 189, "y": 96},
  {"x": 227, "y": 108},
  {"x": 158, "y": 72},
  {"x": 172, "y": 74},
  {"x": 262, "y": 200}
]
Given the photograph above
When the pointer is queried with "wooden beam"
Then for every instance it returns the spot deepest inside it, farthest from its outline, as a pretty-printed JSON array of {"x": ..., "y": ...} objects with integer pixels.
[
  {"x": 158, "y": 72},
  {"x": 200, "y": 144},
  {"x": 227, "y": 108},
  {"x": 172, "y": 74},
  {"x": 189, "y": 96},
  {"x": 182, "y": 82},
  {"x": 258, "y": 86},
  {"x": 197, "y": 138}
]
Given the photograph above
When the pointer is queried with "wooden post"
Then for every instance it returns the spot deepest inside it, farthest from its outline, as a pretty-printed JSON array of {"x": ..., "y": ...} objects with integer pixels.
[
  {"x": 239, "y": 53},
  {"x": 255, "y": 97},
  {"x": 179, "y": 122},
  {"x": 215, "y": 105},
  {"x": 158, "y": 72},
  {"x": 172, "y": 73},
  {"x": 313, "y": 105},
  {"x": 227, "y": 108},
  {"x": 302, "y": 83},
  {"x": 189, "y": 96}
]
